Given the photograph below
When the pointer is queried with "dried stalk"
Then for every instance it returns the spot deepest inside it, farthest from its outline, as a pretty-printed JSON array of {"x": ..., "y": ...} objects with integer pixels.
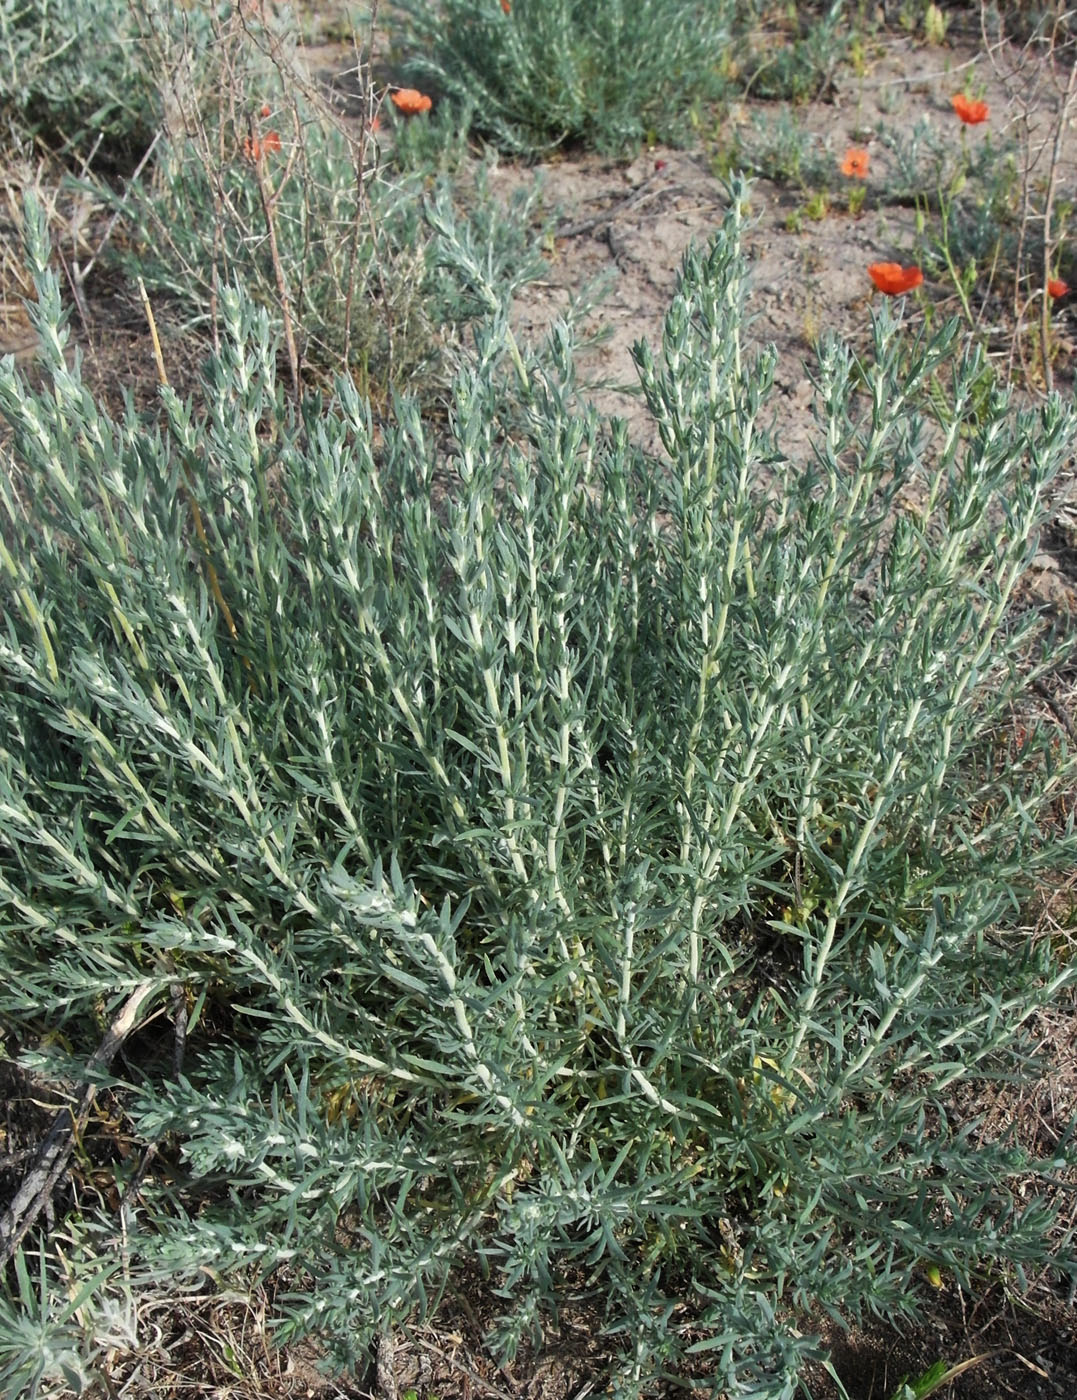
[{"x": 54, "y": 1153}]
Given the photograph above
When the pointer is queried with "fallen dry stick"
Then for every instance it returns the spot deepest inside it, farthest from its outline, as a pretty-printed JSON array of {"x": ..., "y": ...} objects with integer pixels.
[{"x": 52, "y": 1157}]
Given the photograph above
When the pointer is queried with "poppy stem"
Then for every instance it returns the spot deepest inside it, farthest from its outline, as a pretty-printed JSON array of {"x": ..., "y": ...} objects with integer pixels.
[
  {"x": 269, "y": 202},
  {"x": 946, "y": 207}
]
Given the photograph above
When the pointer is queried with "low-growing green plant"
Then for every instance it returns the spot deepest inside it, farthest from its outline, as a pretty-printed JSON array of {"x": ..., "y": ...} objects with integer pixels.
[
  {"x": 930, "y": 156},
  {"x": 776, "y": 147},
  {"x": 435, "y": 144},
  {"x": 963, "y": 243},
  {"x": 352, "y": 259},
  {"x": 257, "y": 182},
  {"x": 801, "y": 68},
  {"x": 75, "y": 75},
  {"x": 937, "y": 1377},
  {"x": 593, "y": 864},
  {"x": 537, "y": 74}
]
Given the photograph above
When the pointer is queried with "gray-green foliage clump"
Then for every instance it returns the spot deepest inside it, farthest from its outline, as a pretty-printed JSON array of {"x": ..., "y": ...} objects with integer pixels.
[
  {"x": 580, "y": 860},
  {"x": 548, "y": 72},
  {"x": 257, "y": 182},
  {"x": 363, "y": 271},
  {"x": 77, "y": 76}
]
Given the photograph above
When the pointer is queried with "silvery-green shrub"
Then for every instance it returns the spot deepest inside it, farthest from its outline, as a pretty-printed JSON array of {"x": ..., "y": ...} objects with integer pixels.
[{"x": 605, "y": 867}]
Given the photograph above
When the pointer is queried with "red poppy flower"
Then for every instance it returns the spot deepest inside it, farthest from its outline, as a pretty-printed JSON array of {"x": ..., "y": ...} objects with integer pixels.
[
  {"x": 254, "y": 150},
  {"x": 855, "y": 163},
  {"x": 971, "y": 111},
  {"x": 409, "y": 101},
  {"x": 1056, "y": 287},
  {"x": 893, "y": 279}
]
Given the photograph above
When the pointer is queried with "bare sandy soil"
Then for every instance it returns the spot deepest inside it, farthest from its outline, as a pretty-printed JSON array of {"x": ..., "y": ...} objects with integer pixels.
[{"x": 629, "y": 225}]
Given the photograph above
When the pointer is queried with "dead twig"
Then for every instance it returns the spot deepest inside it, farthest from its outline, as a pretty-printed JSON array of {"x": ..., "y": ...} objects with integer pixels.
[
  {"x": 461, "y": 1366},
  {"x": 1056, "y": 709},
  {"x": 179, "y": 1026},
  {"x": 54, "y": 1153},
  {"x": 643, "y": 194},
  {"x": 81, "y": 273},
  {"x": 1062, "y": 122},
  {"x": 385, "y": 1370},
  {"x": 366, "y": 131}
]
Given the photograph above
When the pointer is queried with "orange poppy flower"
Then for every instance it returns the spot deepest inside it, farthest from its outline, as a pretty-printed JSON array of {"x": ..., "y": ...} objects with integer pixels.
[
  {"x": 1056, "y": 287},
  {"x": 506, "y": 6},
  {"x": 409, "y": 101},
  {"x": 893, "y": 279},
  {"x": 264, "y": 110},
  {"x": 855, "y": 163},
  {"x": 971, "y": 111},
  {"x": 255, "y": 150}
]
